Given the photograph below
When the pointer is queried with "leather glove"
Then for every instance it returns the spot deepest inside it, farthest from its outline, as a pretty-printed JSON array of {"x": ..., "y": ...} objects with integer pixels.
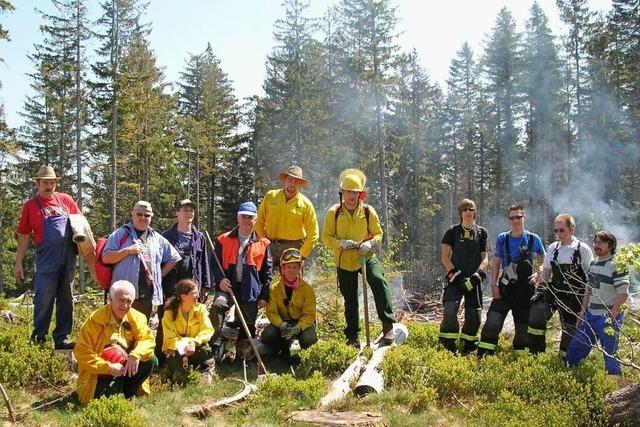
[
  {"x": 366, "y": 247},
  {"x": 291, "y": 333},
  {"x": 284, "y": 328},
  {"x": 474, "y": 280},
  {"x": 348, "y": 244}
]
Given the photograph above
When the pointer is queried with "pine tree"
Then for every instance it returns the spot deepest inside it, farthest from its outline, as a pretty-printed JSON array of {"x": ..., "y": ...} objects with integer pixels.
[
  {"x": 208, "y": 119},
  {"x": 367, "y": 39},
  {"x": 117, "y": 25},
  {"x": 543, "y": 120},
  {"x": 502, "y": 68}
]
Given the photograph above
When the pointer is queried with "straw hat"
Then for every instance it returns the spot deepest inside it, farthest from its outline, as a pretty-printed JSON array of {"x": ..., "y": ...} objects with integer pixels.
[{"x": 46, "y": 172}]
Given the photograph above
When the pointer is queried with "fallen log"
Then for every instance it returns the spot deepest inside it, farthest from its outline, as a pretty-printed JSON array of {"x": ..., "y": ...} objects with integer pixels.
[
  {"x": 342, "y": 385},
  {"x": 624, "y": 405},
  {"x": 206, "y": 409},
  {"x": 371, "y": 379},
  {"x": 334, "y": 418}
]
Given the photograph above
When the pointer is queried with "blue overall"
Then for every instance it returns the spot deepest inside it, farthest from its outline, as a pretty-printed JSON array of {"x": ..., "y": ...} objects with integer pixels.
[{"x": 55, "y": 269}]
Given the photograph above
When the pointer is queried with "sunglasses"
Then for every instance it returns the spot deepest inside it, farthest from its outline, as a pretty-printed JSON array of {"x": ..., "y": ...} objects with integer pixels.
[
  {"x": 243, "y": 216},
  {"x": 514, "y": 217},
  {"x": 143, "y": 215},
  {"x": 468, "y": 209},
  {"x": 559, "y": 230}
]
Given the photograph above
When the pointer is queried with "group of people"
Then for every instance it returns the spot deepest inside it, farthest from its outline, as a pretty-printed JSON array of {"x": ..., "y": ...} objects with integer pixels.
[
  {"x": 587, "y": 292},
  {"x": 174, "y": 272}
]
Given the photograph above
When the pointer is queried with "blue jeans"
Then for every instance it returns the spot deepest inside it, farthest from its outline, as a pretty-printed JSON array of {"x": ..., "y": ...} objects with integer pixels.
[{"x": 605, "y": 330}]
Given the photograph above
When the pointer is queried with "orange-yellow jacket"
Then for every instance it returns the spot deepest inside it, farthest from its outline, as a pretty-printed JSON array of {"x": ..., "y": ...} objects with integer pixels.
[
  {"x": 350, "y": 227},
  {"x": 94, "y": 337},
  {"x": 295, "y": 219},
  {"x": 302, "y": 306},
  {"x": 198, "y": 327}
]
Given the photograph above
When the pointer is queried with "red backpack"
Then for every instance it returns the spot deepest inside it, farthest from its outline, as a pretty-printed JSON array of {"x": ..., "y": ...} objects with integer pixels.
[{"x": 103, "y": 271}]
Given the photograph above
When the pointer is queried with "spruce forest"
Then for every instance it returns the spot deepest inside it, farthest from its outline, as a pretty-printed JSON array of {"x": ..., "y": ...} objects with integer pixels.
[{"x": 548, "y": 120}]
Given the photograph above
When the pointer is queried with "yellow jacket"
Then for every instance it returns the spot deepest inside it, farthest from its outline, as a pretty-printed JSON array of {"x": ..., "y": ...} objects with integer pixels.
[
  {"x": 197, "y": 327},
  {"x": 100, "y": 330},
  {"x": 302, "y": 306},
  {"x": 350, "y": 227},
  {"x": 292, "y": 220}
]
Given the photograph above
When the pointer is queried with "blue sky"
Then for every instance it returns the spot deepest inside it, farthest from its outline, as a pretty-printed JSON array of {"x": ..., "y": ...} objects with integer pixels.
[{"x": 241, "y": 34}]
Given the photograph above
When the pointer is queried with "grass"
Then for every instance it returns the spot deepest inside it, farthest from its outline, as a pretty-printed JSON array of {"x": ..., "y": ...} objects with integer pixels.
[{"x": 425, "y": 385}]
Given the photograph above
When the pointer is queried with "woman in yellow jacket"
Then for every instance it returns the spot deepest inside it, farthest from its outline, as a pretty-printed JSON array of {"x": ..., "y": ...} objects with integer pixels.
[
  {"x": 291, "y": 309},
  {"x": 187, "y": 331},
  {"x": 115, "y": 348}
]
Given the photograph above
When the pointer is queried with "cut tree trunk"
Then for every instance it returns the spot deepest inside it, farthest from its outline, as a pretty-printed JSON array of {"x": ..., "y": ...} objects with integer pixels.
[{"x": 624, "y": 405}]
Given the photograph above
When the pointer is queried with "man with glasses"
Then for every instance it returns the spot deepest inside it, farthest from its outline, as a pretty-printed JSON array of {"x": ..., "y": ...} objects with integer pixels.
[
  {"x": 601, "y": 314},
  {"x": 514, "y": 257},
  {"x": 287, "y": 217},
  {"x": 561, "y": 286},
  {"x": 141, "y": 256},
  {"x": 291, "y": 310},
  {"x": 246, "y": 271},
  {"x": 464, "y": 257}
]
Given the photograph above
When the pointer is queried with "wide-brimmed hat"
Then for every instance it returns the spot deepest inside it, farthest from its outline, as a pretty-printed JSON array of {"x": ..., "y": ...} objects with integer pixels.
[
  {"x": 46, "y": 172},
  {"x": 295, "y": 172}
]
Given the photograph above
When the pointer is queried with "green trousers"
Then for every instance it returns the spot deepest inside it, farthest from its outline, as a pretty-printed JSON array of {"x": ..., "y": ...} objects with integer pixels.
[{"x": 348, "y": 283}]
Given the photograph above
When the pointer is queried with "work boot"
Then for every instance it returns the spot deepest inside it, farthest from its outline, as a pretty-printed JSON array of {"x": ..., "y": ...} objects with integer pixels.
[
  {"x": 354, "y": 342},
  {"x": 388, "y": 334},
  {"x": 67, "y": 344},
  {"x": 209, "y": 373}
]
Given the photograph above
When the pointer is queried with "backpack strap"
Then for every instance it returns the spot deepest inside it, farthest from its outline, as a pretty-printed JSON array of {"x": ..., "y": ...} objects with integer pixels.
[{"x": 367, "y": 213}]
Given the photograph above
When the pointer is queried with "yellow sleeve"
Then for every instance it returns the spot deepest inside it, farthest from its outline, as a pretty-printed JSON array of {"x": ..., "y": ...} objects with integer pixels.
[
  {"x": 84, "y": 353},
  {"x": 272, "y": 309},
  {"x": 170, "y": 335},
  {"x": 308, "y": 309},
  {"x": 311, "y": 230},
  {"x": 329, "y": 230},
  {"x": 206, "y": 328},
  {"x": 262, "y": 217},
  {"x": 374, "y": 226},
  {"x": 145, "y": 341}
]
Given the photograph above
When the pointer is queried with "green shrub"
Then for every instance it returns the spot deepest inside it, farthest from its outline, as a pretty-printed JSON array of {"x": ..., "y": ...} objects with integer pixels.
[
  {"x": 289, "y": 393},
  {"x": 413, "y": 369},
  {"x": 329, "y": 357},
  {"x": 510, "y": 410},
  {"x": 423, "y": 335},
  {"x": 23, "y": 363},
  {"x": 114, "y": 411}
]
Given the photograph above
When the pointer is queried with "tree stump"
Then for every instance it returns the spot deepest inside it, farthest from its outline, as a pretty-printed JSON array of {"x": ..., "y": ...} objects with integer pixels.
[{"x": 624, "y": 405}]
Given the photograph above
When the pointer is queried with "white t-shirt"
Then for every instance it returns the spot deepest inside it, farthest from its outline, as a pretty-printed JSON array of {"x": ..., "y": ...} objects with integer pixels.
[{"x": 565, "y": 254}]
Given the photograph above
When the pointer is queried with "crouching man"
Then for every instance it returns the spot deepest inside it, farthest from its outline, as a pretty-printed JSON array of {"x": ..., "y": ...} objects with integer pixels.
[
  {"x": 115, "y": 348},
  {"x": 291, "y": 309}
]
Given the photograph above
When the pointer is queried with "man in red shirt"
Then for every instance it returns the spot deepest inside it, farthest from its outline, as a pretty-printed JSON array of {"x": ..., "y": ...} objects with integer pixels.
[{"x": 45, "y": 218}]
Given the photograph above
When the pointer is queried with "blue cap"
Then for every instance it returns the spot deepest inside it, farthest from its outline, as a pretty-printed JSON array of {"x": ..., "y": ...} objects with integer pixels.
[{"x": 247, "y": 208}]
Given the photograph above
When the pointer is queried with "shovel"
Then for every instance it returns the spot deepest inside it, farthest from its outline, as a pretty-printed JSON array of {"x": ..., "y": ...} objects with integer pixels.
[{"x": 365, "y": 298}]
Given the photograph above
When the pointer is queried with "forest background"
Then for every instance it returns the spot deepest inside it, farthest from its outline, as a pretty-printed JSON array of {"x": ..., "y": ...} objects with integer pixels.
[{"x": 548, "y": 120}]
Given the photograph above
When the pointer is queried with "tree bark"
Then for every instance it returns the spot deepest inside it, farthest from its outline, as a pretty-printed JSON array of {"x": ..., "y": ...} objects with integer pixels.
[{"x": 624, "y": 405}]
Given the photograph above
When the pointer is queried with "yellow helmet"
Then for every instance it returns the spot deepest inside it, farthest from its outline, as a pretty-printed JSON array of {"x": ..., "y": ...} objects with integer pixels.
[
  {"x": 352, "y": 180},
  {"x": 290, "y": 255}
]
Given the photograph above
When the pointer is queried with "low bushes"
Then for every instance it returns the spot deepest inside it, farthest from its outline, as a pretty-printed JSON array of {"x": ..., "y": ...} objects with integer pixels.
[
  {"x": 114, "y": 411},
  {"x": 329, "y": 357}
]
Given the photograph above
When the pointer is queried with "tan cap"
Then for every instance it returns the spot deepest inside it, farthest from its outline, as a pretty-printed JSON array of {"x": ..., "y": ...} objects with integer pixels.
[
  {"x": 46, "y": 172},
  {"x": 295, "y": 172},
  {"x": 143, "y": 206}
]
